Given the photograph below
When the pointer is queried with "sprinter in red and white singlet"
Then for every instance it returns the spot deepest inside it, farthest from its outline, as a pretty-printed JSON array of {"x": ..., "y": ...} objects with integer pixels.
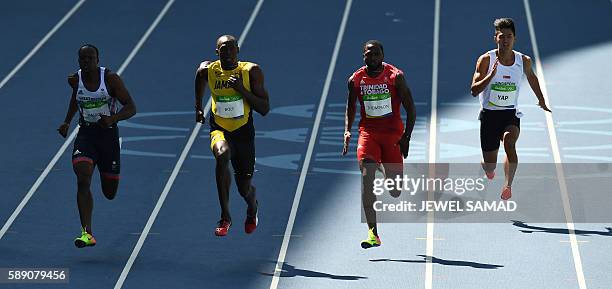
[{"x": 383, "y": 139}]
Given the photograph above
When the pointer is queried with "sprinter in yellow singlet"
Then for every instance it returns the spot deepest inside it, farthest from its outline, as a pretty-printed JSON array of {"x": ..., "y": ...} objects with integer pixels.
[{"x": 237, "y": 88}]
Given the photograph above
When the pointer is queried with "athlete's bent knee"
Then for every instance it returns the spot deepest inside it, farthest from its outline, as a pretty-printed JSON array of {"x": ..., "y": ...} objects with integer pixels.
[
  {"x": 109, "y": 193},
  {"x": 83, "y": 181},
  {"x": 110, "y": 183},
  {"x": 243, "y": 183},
  {"x": 510, "y": 136},
  {"x": 368, "y": 167},
  {"x": 222, "y": 154}
]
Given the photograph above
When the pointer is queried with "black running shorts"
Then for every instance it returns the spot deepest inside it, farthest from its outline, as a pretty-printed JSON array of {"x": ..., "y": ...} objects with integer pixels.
[
  {"x": 493, "y": 124},
  {"x": 100, "y": 147}
]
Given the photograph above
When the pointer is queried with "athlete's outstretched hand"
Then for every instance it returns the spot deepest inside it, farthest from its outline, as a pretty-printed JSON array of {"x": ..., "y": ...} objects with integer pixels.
[
  {"x": 404, "y": 144},
  {"x": 347, "y": 140},
  {"x": 200, "y": 116},
  {"x": 542, "y": 104},
  {"x": 63, "y": 129}
]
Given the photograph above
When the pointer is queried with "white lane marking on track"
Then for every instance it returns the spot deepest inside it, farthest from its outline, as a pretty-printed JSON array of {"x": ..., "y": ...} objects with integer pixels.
[
  {"x": 41, "y": 43},
  {"x": 55, "y": 158},
  {"x": 556, "y": 154},
  {"x": 425, "y": 238},
  {"x": 313, "y": 137},
  {"x": 73, "y": 134},
  {"x": 432, "y": 146},
  {"x": 178, "y": 165}
]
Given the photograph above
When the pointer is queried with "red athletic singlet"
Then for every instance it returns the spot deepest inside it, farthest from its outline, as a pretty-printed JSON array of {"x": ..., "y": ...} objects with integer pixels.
[{"x": 380, "y": 104}]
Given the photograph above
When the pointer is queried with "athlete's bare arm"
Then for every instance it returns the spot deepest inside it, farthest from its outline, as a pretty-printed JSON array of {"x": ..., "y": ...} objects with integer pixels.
[
  {"x": 201, "y": 81},
  {"x": 73, "y": 81},
  {"x": 481, "y": 76},
  {"x": 349, "y": 116},
  {"x": 532, "y": 78},
  {"x": 258, "y": 96},
  {"x": 408, "y": 103},
  {"x": 117, "y": 89}
]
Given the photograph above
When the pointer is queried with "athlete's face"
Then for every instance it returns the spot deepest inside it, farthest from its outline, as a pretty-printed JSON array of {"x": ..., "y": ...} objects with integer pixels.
[
  {"x": 373, "y": 56},
  {"x": 505, "y": 39},
  {"x": 88, "y": 59},
  {"x": 227, "y": 49}
]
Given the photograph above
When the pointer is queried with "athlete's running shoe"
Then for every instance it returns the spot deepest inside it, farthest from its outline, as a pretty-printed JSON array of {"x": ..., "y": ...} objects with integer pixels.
[
  {"x": 371, "y": 241},
  {"x": 86, "y": 240},
  {"x": 250, "y": 224},
  {"x": 222, "y": 228},
  {"x": 506, "y": 193},
  {"x": 490, "y": 175}
]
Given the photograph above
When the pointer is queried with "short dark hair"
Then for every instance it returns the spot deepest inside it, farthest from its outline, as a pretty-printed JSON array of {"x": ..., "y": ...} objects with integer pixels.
[
  {"x": 503, "y": 23},
  {"x": 374, "y": 42},
  {"x": 90, "y": 46},
  {"x": 228, "y": 37}
]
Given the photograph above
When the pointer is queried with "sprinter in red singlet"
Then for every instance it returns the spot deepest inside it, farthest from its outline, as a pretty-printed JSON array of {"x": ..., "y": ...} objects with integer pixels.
[{"x": 383, "y": 139}]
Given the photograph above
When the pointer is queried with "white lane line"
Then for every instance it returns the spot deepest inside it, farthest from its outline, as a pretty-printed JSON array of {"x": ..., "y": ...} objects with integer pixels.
[
  {"x": 177, "y": 168},
  {"x": 39, "y": 181},
  {"x": 556, "y": 154},
  {"x": 145, "y": 36},
  {"x": 41, "y": 43},
  {"x": 160, "y": 202},
  {"x": 313, "y": 137},
  {"x": 55, "y": 158},
  {"x": 73, "y": 134},
  {"x": 425, "y": 239},
  {"x": 433, "y": 127}
]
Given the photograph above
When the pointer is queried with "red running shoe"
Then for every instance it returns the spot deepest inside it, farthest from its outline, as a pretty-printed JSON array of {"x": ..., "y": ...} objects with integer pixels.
[
  {"x": 222, "y": 228},
  {"x": 490, "y": 175},
  {"x": 506, "y": 193},
  {"x": 250, "y": 224}
]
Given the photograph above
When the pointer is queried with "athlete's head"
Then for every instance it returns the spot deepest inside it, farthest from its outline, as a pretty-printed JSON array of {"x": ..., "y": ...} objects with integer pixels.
[
  {"x": 88, "y": 57},
  {"x": 227, "y": 49},
  {"x": 373, "y": 54},
  {"x": 504, "y": 33}
]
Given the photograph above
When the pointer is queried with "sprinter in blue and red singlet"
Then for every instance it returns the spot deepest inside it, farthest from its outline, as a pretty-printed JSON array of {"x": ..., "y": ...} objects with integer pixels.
[
  {"x": 383, "y": 139},
  {"x": 96, "y": 92}
]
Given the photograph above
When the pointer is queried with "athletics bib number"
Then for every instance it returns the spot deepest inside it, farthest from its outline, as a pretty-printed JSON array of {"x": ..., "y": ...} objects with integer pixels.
[
  {"x": 503, "y": 94},
  {"x": 92, "y": 110},
  {"x": 230, "y": 106},
  {"x": 377, "y": 105}
]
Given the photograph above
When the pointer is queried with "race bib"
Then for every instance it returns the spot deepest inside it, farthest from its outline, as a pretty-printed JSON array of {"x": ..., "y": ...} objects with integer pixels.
[
  {"x": 503, "y": 94},
  {"x": 230, "y": 106},
  {"x": 377, "y": 105},
  {"x": 92, "y": 110}
]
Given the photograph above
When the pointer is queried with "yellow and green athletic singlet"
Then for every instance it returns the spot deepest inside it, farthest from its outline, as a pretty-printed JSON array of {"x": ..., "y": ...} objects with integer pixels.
[{"x": 229, "y": 109}]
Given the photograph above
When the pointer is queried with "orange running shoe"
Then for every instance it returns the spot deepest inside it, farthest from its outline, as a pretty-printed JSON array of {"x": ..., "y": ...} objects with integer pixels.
[{"x": 506, "y": 193}]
